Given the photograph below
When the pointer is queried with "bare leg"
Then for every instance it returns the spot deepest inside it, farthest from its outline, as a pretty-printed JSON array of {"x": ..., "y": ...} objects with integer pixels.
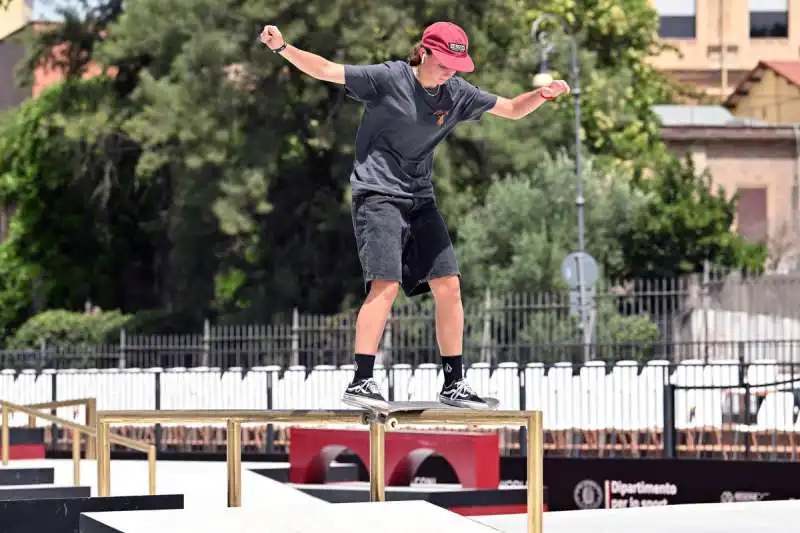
[
  {"x": 363, "y": 391},
  {"x": 450, "y": 334},
  {"x": 372, "y": 316},
  {"x": 449, "y": 315}
]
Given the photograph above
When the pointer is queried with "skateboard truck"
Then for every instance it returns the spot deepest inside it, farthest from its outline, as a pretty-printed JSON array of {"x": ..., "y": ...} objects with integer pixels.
[{"x": 374, "y": 415}]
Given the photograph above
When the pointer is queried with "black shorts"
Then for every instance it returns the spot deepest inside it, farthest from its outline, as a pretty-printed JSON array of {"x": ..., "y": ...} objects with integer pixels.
[{"x": 402, "y": 239}]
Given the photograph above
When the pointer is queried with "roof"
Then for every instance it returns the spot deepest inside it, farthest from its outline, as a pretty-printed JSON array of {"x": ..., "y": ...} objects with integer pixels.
[
  {"x": 788, "y": 70},
  {"x": 767, "y": 133},
  {"x": 715, "y": 123},
  {"x": 35, "y": 24},
  {"x": 702, "y": 115}
]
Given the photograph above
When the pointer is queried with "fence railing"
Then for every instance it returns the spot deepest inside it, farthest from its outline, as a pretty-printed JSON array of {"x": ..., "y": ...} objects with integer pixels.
[
  {"x": 250, "y": 353},
  {"x": 596, "y": 408},
  {"x": 698, "y": 315}
]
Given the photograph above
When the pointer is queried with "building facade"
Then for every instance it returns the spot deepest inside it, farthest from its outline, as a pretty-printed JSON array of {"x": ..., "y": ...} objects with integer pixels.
[
  {"x": 718, "y": 42},
  {"x": 759, "y": 163}
]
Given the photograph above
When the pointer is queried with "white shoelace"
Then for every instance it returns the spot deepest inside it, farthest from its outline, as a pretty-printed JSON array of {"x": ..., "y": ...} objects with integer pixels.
[
  {"x": 368, "y": 385},
  {"x": 463, "y": 389}
]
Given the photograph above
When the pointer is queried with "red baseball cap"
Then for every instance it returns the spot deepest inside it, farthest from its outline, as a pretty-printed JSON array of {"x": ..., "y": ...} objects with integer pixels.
[{"x": 450, "y": 45}]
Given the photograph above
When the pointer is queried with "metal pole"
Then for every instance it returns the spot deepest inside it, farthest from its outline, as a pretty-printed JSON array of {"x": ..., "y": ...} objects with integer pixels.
[
  {"x": 234, "y": 463},
  {"x": 103, "y": 458},
  {"x": 151, "y": 470},
  {"x": 579, "y": 199},
  {"x": 535, "y": 474},
  {"x": 6, "y": 434},
  {"x": 377, "y": 481},
  {"x": 76, "y": 456}
]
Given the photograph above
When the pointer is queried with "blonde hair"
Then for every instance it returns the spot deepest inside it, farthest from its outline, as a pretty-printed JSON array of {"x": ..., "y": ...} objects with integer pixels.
[{"x": 415, "y": 56}]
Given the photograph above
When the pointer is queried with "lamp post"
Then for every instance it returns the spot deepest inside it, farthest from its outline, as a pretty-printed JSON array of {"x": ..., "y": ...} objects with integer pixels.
[{"x": 543, "y": 78}]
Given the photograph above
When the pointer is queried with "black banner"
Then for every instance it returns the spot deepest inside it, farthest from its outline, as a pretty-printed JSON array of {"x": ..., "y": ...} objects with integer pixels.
[{"x": 595, "y": 483}]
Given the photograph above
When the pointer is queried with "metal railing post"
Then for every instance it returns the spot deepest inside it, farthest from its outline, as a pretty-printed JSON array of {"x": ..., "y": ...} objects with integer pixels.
[
  {"x": 234, "y": 453},
  {"x": 377, "y": 447}
]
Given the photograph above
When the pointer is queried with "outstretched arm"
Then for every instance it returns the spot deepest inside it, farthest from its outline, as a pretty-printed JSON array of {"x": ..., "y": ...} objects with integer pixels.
[
  {"x": 307, "y": 62},
  {"x": 526, "y": 103}
]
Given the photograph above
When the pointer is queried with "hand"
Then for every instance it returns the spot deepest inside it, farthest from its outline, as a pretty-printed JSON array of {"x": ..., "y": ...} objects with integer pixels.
[
  {"x": 271, "y": 36},
  {"x": 554, "y": 89}
]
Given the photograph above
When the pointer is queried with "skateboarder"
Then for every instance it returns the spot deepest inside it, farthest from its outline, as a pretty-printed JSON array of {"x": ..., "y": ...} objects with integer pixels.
[{"x": 402, "y": 240}]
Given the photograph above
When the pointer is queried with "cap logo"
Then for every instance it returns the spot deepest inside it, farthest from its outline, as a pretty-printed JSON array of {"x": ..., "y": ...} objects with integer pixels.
[{"x": 457, "y": 47}]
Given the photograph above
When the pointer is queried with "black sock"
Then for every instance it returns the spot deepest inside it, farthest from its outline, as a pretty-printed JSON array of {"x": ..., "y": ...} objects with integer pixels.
[
  {"x": 364, "y": 366},
  {"x": 451, "y": 366}
]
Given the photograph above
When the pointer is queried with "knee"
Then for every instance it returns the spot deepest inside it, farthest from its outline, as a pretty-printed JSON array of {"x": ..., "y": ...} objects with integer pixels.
[
  {"x": 383, "y": 290},
  {"x": 446, "y": 290}
]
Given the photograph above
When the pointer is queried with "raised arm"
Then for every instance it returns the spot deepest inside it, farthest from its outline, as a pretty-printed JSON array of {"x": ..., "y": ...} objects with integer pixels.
[
  {"x": 528, "y": 102},
  {"x": 306, "y": 62}
]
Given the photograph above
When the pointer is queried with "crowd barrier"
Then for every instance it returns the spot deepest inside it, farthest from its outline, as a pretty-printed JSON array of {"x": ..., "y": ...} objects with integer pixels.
[{"x": 591, "y": 408}]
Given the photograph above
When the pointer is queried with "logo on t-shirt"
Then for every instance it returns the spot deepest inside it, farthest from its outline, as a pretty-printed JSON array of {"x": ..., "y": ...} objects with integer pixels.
[
  {"x": 440, "y": 116},
  {"x": 457, "y": 47}
]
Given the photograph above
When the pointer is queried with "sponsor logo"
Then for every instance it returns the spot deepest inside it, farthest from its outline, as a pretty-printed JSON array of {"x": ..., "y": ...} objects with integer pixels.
[
  {"x": 457, "y": 47},
  {"x": 588, "y": 494},
  {"x": 729, "y": 496}
]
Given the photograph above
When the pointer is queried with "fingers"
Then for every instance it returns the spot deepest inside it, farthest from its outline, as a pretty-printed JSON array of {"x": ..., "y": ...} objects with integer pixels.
[{"x": 269, "y": 32}]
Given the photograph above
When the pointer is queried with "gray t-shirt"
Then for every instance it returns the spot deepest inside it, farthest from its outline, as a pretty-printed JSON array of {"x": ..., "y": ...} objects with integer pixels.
[{"x": 402, "y": 125}]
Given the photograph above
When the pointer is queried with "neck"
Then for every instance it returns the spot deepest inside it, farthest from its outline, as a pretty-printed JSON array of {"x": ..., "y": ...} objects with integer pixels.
[{"x": 422, "y": 80}]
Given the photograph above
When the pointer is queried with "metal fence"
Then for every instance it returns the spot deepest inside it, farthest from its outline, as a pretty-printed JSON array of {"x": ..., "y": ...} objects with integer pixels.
[
  {"x": 710, "y": 316},
  {"x": 697, "y": 409}
]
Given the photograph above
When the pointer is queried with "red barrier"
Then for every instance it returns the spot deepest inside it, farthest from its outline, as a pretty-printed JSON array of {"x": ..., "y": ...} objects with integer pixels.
[
  {"x": 26, "y": 451},
  {"x": 475, "y": 457}
]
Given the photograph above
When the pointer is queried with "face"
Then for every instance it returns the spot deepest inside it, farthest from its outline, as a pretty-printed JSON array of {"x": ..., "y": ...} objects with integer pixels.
[{"x": 434, "y": 70}]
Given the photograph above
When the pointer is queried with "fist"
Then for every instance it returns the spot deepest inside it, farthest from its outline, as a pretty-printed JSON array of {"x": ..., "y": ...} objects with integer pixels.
[
  {"x": 554, "y": 89},
  {"x": 271, "y": 37}
]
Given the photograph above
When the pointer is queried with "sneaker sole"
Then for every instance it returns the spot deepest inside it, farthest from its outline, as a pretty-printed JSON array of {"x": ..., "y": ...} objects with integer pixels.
[
  {"x": 465, "y": 405},
  {"x": 364, "y": 403}
]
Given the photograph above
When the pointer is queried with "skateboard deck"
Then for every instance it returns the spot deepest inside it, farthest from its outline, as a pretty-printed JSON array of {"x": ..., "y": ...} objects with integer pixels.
[{"x": 372, "y": 414}]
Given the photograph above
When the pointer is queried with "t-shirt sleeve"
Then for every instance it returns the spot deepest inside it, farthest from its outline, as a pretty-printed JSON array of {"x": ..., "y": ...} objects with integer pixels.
[
  {"x": 366, "y": 83},
  {"x": 474, "y": 101}
]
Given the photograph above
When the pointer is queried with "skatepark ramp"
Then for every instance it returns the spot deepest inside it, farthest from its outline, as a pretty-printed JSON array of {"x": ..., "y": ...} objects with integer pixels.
[{"x": 377, "y": 423}]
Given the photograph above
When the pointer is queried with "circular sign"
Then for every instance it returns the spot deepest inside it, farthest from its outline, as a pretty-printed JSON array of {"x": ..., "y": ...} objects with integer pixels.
[{"x": 569, "y": 269}]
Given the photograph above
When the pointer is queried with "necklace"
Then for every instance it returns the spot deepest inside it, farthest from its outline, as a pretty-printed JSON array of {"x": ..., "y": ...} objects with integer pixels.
[{"x": 427, "y": 91}]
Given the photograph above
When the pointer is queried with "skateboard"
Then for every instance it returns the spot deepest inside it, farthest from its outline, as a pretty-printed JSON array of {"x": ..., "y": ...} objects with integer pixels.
[{"x": 384, "y": 416}]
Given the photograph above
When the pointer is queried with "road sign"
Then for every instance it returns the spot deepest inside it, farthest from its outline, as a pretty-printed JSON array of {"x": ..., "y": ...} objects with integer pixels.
[{"x": 569, "y": 270}]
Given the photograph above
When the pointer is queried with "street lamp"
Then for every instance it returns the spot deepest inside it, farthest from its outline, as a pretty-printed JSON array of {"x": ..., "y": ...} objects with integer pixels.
[{"x": 543, "y": 78}]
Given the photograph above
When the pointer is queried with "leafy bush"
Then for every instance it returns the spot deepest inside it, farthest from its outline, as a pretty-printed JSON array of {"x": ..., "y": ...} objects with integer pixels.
[{"x": 60, "y": 327}]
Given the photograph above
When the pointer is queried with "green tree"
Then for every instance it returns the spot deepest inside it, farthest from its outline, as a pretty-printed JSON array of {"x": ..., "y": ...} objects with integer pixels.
[
  {"x": 518, "y": 238},
  {"x": 240, "y": 163},
  {"x": 76, "y": 232},
  {"x": 684, "y": 224}
]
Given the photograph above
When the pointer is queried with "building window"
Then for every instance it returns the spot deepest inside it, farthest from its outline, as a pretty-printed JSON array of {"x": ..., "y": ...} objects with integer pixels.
[
  {"x": 751, "y": 216},
  {"x": 677, "y": 19},
  {"x": 769, "y": 19}
]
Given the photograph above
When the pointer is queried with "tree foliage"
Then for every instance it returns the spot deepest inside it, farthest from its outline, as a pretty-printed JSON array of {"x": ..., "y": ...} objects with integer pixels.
[
  {"x": 684, "y": 224},
  {"x": 518, "y": 238},
  {"x": 202, "y": 176}
]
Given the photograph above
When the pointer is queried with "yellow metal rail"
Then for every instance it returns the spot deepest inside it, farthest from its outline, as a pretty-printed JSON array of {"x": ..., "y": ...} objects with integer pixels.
[
  {"x": 235, "y": 419},
  {"x": 90, "y": 430},
  {"x": 90, "y": 413}
]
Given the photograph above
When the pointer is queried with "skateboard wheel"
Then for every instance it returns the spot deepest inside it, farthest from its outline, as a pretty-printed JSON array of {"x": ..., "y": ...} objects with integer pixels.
[
  {"x": 365, "y": 418},
  {"x": 392, "y": 423}
]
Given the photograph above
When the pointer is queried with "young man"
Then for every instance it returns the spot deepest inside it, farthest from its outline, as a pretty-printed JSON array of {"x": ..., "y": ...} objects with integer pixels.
[{"x": 409, "y": 108}]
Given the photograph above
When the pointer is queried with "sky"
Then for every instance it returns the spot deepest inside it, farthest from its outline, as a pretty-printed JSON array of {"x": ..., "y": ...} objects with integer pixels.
[{"x": 47, "y": 9}]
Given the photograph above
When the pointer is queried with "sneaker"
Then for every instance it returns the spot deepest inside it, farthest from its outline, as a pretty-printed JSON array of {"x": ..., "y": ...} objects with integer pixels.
[
  {"x": 460, "y": 394},
  {"x": 364, "y": 393}
]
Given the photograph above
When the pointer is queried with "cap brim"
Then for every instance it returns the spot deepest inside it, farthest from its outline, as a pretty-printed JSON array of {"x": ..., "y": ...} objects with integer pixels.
[{"x": 461, "y": 64}]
